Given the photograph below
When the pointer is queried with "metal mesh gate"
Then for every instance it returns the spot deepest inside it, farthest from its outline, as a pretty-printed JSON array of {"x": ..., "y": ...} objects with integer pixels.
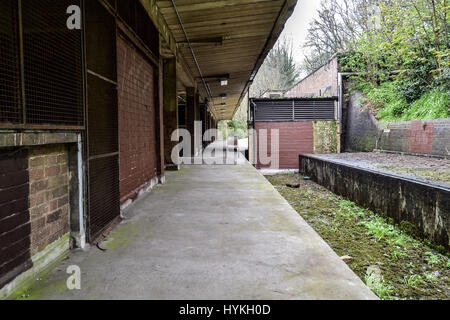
[{"x": 102, "y": 124}]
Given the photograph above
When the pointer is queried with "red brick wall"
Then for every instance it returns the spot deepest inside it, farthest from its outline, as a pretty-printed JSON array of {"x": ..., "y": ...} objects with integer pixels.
[
  {"x": 322, "y": 83},
  {"x": 49, "y": 195},
  {"x": 295, "y": 138},
  {"x": 137, "y": 132},
  {"x": 422, "y": 137},
  {"x": 429, "y": 137}
]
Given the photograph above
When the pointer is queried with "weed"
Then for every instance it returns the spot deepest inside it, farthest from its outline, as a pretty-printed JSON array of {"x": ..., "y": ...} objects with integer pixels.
[
  {"x": 432, "y": 259},
  {"x": 397, "y": 254},
  {"x": 378, "y": 286},
  {"x": 349, "y": 209},
  {"x": 431, "y": 277},
  {"x": 413, "y": 280},
  {"x": 378, "y": 228}
]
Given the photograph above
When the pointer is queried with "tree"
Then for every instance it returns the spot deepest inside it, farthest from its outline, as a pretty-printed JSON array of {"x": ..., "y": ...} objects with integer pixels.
[
  {"x": 337, "y": 28},
  {"x": 279, "y": 71}
]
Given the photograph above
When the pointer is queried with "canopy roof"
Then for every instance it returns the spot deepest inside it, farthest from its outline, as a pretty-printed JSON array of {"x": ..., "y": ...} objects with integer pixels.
[{"x": 229, "y": 39}]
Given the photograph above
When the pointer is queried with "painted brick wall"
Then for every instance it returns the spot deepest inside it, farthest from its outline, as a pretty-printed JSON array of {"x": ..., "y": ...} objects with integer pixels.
[
  {"x": 137, "y": 132},
  {"x": 49, "y": 195},
  {"x": 322, "y": 83},
  {"x": 15, "y": 228},
  {"x": 295, "y": 138}
]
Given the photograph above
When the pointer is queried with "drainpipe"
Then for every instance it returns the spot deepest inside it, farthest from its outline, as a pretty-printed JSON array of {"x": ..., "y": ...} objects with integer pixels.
[
  {"x": 255, "y": 135},
  {"x": 82, "y": 235}
]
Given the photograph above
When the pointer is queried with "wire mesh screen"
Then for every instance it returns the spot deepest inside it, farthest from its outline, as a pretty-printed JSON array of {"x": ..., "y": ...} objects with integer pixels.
[
  {"x": 52, "y": 64},
  {"x": 135, "y": 15},
  {"x": 104, "y": 194},
  {"x": 10, "y": 109},
  {"x": 103, "y": 117}
]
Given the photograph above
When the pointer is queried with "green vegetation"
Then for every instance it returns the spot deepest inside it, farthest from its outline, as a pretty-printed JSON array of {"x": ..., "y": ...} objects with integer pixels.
[
  {"x": 398, "y": 49},
  {"x": 392, "y": 105},
  {"x": 392, "y": 259},
  {"x": 413, "y": 280},
  {"x": 428, "y": 173},
  {"x": 378, "y": 286},
  {"x": 236, "y": 127},
  {"x": 403, "y": 62}
]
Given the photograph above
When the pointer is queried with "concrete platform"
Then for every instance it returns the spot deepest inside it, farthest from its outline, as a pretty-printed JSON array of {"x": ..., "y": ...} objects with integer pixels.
[
  {"x": 212, "y": 232},
  {"x": 390, "y": 184}
]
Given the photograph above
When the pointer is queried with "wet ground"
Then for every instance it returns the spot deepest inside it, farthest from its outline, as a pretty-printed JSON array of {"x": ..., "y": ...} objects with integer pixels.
[
  {"x": 435, "y": 171},
  {"x": 394, "y": 264}
]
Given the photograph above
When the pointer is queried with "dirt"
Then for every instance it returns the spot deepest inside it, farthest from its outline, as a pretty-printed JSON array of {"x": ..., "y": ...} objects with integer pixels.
[
  {"x": 410, "y": 268},
  {"x": 426, "y": 169}
]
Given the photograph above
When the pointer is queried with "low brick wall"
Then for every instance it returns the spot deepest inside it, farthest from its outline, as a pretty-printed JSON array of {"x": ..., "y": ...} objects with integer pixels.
[{"x": 425, "y": 206}]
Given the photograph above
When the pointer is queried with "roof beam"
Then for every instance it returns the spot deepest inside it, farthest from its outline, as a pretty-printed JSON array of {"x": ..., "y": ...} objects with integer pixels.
[{"x": 203, "y": 41}]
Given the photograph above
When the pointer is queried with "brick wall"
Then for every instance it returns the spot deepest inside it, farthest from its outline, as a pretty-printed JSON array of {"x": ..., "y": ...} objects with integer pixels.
[
  {"x": 295, "y": 138},
  {"x": 430, "y": 137},
  {"x": 49, "y": 195},
  {"x": 15, "y": 229},
  {"x": 137, "y": 111},
  {"x": 322, "y": 83},
  {"x": 365, "y": 133}
]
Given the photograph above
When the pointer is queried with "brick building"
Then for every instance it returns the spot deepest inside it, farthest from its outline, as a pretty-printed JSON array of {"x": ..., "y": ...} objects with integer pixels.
[
  {"x": 321, "y": 83},
  {"x": 87, "y": 114}
]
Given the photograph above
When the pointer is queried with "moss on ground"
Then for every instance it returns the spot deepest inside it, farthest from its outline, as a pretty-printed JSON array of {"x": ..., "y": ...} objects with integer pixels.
[
  {"x": 433, "y": 175},
  {"x": 410, "y": 269}
]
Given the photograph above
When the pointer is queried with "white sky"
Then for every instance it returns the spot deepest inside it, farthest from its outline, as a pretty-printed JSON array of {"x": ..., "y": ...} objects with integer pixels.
[{"x": 297, "y": 25}]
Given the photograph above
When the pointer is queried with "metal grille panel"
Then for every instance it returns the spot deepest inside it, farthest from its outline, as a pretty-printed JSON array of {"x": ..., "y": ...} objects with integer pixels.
[
  {"x": 104, "y": 195},
  {"x": 10, "y": 109},
  {"x": 275, "y": 111},
  {"x": 285, "y": 110},
  {"x": 103, "y": 117},
  {"x": 136, "y": 17},
  {"x": 314, "y": 110},
  {"x": 52, "y": 63}
]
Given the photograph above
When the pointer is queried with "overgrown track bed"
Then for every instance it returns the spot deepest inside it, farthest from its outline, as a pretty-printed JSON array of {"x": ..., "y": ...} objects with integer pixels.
[{"x": 391, "y": 262}]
